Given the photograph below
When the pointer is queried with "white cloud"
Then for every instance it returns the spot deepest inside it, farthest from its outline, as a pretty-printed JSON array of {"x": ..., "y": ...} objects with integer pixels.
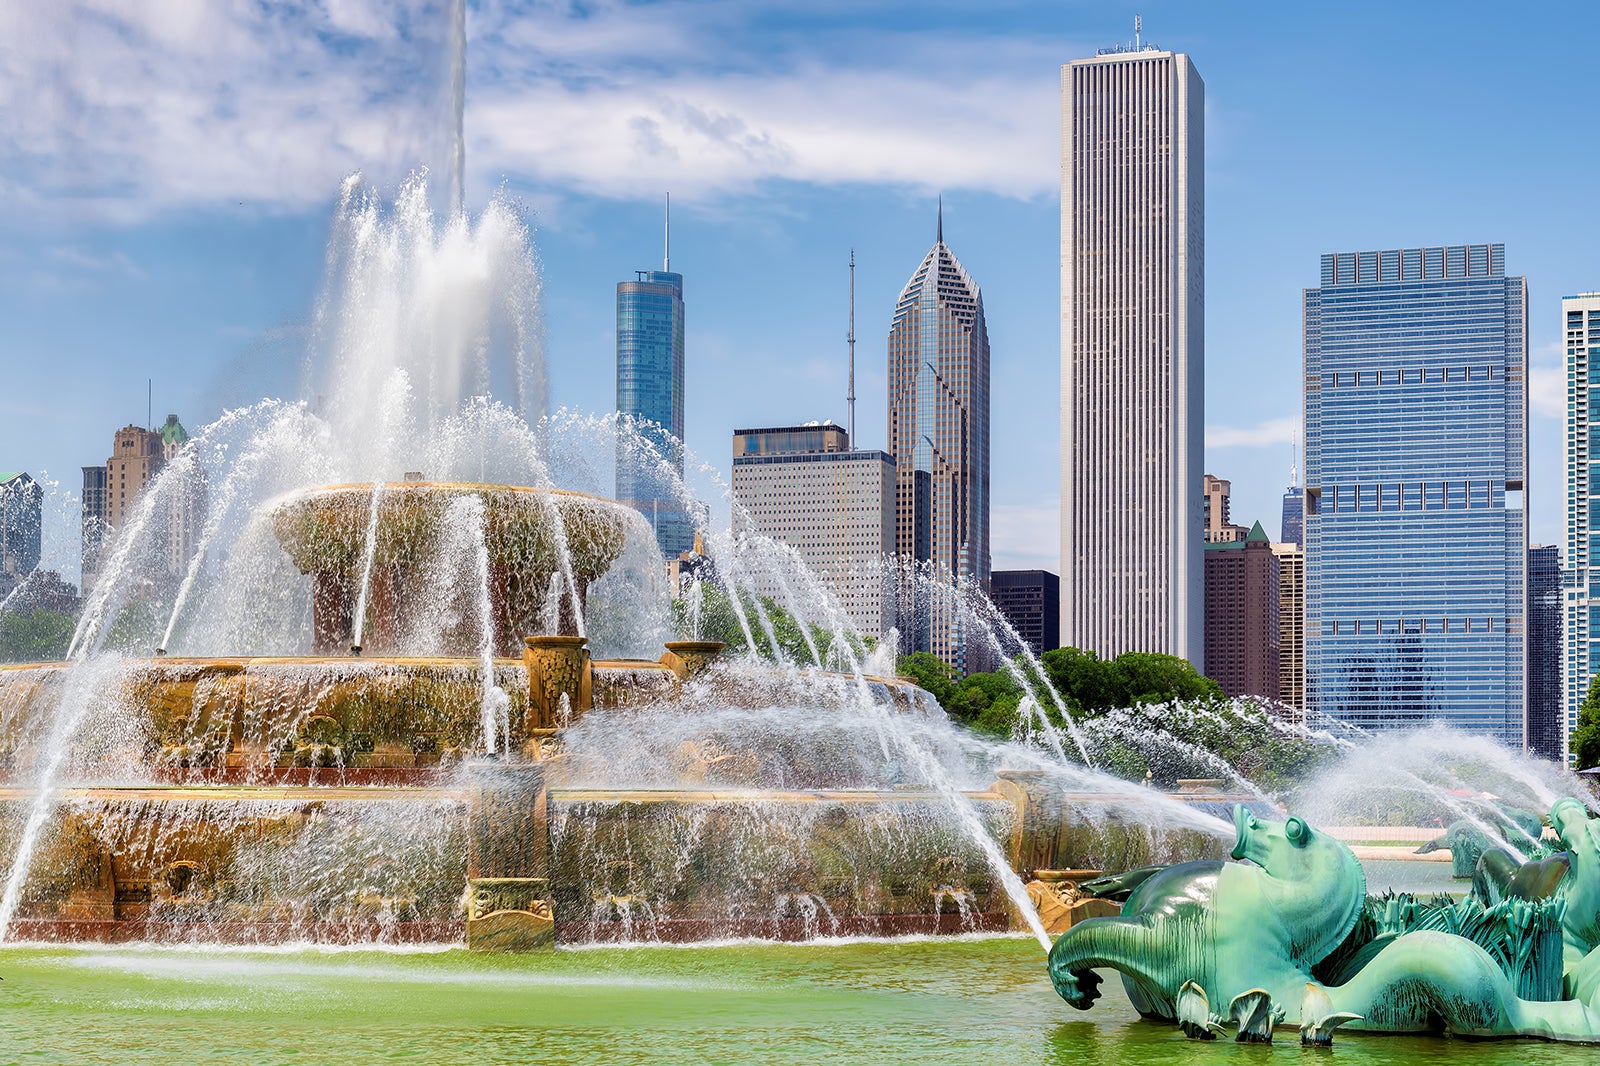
[
  {"x": 1272, "y": 431},
  {"x": 87, "y": 262},
  {"x": 1547, "y": 381},
  {"x": 1026, "y": 536},
  {"x": 125, "y": 108},
  {"x": 1547, "y": 391}
]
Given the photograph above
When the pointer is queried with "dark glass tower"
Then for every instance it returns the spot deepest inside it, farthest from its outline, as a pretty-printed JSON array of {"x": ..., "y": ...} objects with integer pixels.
[
  {"x": 1416, "y": 540},
  {"x": 1547, "y": 734},
  {"x": 1292, "y": 529},
  {"x": 650, "y": 391}
]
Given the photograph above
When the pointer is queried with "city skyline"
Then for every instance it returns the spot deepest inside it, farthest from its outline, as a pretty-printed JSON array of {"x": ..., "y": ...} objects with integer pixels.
[{"x": 157, "y": 256}]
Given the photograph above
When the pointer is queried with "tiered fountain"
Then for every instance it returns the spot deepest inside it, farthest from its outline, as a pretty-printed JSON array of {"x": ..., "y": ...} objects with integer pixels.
[
  {"x": 422, "y": 743},
  {"x": 339, "y": 797}
]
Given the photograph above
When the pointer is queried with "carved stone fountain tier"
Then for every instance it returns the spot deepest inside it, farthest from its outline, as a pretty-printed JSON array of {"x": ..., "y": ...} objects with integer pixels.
[
  {"x": 531, "y": 534},
  {"x": 344, "y": 798}
]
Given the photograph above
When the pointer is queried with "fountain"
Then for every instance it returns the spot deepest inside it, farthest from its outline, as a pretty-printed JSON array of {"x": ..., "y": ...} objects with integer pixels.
[{"x": 417, "y": 683}]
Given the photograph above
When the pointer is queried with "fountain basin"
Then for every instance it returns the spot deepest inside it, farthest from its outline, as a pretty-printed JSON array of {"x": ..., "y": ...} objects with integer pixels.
[
  {"x": 530, "y": 534},
  {"x": 352, "y": 864},
  {"x": 393, "y": 720}
]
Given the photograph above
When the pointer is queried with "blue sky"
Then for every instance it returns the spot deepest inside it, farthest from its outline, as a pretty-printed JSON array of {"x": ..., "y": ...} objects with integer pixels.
[{"x": 171, "y": 170}]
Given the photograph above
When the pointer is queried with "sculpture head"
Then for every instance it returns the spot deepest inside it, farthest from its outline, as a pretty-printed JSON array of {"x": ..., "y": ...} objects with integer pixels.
[
  {"x": 1570, "y": 819},
  {"x": 1289, "y": 850},
  {"x": 1312, "y": 881}
]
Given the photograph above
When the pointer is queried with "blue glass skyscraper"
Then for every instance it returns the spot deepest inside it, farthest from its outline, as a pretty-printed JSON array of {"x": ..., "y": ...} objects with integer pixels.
[
  {"x": 650, "y": 391},
  {"x": 1416, "y": 539}
]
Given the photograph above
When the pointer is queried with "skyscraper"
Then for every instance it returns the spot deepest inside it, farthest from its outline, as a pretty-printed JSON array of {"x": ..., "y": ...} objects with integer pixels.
[
  {"x": 939, "y": 436},
  {"x": 650, "y": 392},
  {"x": 1291, "y": 529},
  {"x": 94, "y": 528},
  {"x": 1291, "y": 626},
  {"x": 1217, "y": 501},
  {"x": 1132, "y": 352},
  {"x": 1242, "y": 605},
  {"x": 805, "y": 486},
  {"x": 137, "y": 456},
  {"x": 1031, "y": 601},
  {"x": 1547, "y": 732},
  {"x": 1416, "y": 542},
  {"x": 1580, "y": 324},
  {"x": 111, "y": 496}
]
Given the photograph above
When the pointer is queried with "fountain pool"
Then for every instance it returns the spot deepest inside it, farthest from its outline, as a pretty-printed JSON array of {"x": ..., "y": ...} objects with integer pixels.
[{"x": 904, "y": 1002}]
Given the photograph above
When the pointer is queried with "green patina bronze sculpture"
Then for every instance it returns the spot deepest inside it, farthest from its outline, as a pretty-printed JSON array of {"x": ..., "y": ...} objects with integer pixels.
[{"x": 1207, "y": 943}]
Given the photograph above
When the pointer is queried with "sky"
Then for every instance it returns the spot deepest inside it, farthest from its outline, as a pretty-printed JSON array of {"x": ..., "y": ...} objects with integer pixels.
[{"x": 170, "y": 172}]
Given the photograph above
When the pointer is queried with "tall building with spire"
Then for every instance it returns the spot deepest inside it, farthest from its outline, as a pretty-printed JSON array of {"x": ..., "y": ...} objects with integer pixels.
[
  {"x": 939, "y": 436},
  {"x": 650, "y": 394},
  {"x": 1132, "y": 353}
]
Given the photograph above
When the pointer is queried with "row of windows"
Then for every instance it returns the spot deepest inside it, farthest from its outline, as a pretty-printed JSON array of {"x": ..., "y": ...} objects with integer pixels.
[
  {"x": 1403, "y": 496},
  {"x": 1433, "y": 375},
  {"x": 1417, "y": 626}
]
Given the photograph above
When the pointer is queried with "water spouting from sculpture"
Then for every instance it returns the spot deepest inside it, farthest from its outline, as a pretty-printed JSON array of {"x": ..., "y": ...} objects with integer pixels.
[{"x": 368, "y": 558}]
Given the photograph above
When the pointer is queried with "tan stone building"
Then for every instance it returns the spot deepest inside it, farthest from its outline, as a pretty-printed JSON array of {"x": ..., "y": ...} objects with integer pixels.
[
  {"x": 806, "y": 487},
  {"x": 1292, "y": 626},
  {"x": 1219, "y": 523},
  {"x": 111, "y": 496}
]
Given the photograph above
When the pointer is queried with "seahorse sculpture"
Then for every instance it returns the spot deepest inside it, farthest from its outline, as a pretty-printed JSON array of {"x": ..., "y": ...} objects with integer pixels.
[{"x": 1226, "y": 929}]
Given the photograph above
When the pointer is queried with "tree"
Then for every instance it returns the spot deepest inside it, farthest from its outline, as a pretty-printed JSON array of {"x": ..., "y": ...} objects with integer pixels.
[
  {"x": 719, "y": 620},
  {"x": 1585, "y": 740},
  {"x": 1088, "y": 685},
  {"x": 1151, "y": 678},
  {"x": 986, "y": 702},
  {"x": 931, "y": 672},
  {"x": 35, "y": 636}
]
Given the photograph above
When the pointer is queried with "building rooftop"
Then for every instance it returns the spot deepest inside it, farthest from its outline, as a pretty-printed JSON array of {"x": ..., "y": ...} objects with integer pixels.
[
  {"x": 1257, "y": 535},
  {"x": 173, "y": 432}
]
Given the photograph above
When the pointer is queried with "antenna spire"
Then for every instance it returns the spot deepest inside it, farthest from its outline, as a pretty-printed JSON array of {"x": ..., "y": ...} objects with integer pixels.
[
  {"x": 1138, "y": 27},
  {"x": 939, "y": 236},
  {"x": 666, "y": 239},
  {"x": 851, "y": 399}
]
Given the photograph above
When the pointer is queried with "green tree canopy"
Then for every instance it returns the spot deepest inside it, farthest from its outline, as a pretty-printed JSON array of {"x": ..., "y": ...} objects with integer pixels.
[
  {"x": 34, "y": 636},
  {"x": 1138, "y": 712},
  {"x": 931, "y": 672},
  {"x": 1585, "y": 740},
  {"x": 719, "y": 620}
]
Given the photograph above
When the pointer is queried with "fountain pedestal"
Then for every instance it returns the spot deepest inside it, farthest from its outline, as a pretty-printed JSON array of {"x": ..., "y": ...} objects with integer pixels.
[
  {"x": 687, "y": 658},
  {"x": 1034, "y": 833},
  {"x": 508, "y": 859},
  {"x": 560, "y": 681}
]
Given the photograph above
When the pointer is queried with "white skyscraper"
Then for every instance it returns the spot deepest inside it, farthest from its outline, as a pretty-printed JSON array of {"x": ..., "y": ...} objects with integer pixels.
[
  {"x": 1580, "y": 323},
  {"x": 1132, "y": 353}
]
